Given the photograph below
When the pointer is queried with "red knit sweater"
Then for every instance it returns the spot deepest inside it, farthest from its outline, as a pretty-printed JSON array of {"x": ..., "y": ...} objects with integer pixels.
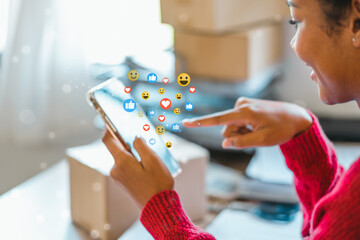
[{"x": 329, "y": 197}]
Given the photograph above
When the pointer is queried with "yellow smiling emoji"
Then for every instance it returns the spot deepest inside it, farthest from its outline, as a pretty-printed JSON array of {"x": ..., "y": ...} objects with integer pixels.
[
  {"x": 160, "y": 130},
  {"x": 145, "y": 95},
  {"x": 133, "y": 75},
  {"x": 161, "y": 90},
  {"x": 183, "y": 79},
  {"x": 179, "y": 96},
  {"x": 168, "y": 144}
]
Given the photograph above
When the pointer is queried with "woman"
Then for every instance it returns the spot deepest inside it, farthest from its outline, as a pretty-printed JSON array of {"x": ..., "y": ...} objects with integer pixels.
[{"x": 328, "y": 40}]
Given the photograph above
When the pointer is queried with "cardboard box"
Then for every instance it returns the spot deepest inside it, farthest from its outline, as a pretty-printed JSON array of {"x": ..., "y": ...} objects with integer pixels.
[
  {"x": 231, "y": 57},
  {"x": 221, "y": 15},
  {"x": 99, "y": 205}
]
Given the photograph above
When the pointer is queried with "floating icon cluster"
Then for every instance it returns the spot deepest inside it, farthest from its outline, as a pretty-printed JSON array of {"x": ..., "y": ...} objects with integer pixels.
[{"x": 183, "y": 80}]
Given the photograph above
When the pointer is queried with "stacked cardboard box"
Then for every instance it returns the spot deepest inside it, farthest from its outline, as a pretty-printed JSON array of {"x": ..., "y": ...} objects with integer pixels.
[{"x": 229, "y": 40}]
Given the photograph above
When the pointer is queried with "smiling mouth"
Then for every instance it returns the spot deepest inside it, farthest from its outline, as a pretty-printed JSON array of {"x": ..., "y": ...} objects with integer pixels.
[
  {"x": 184, "y": 82},
  {"x": 145, "y": 97}
]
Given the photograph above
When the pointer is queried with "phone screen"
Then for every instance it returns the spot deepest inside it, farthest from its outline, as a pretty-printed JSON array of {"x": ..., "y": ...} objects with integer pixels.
[{"x": 122, "y": 110}]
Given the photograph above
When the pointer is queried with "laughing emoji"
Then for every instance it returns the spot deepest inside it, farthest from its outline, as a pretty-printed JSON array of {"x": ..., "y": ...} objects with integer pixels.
[
  {"x": 178, "y": 96},
  {"x": 145, "y": 95},
  {"x": 183, "y": 79},
  {"x": 168, "y": 144}
]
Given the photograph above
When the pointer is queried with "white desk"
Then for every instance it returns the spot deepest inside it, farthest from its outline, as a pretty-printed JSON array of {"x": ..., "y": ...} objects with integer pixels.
[{"x": 40, "y": 208}]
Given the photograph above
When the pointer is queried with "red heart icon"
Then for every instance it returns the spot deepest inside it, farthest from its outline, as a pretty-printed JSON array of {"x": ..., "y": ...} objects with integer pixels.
[
  {"x": 161, "y": 118},
  {"x": 192, "y": 89},
  {"x": 127, "y": 89},
  {"x": 165, "y": 80},
  {"x": 146, "y": 127},
  {"x": 165, "y": 103}
]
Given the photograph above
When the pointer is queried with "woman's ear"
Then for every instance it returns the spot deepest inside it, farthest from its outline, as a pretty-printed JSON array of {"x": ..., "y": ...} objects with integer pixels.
[{"x": 355, "y": 22}]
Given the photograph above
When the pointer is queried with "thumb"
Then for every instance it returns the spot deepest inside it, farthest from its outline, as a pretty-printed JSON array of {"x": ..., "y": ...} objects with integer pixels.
[{"x": 147, "y": 155}]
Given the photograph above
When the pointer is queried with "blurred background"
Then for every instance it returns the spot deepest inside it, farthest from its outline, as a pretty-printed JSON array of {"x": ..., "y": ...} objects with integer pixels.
[{"x": 52, "y": 52}]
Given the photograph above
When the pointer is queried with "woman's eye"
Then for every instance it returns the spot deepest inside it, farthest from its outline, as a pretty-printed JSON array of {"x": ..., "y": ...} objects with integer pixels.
[{"x": 294, "y": 22}]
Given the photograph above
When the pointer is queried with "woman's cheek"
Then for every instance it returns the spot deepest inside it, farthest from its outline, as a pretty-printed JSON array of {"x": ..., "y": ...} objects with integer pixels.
[{"x": 300, "y": 47}]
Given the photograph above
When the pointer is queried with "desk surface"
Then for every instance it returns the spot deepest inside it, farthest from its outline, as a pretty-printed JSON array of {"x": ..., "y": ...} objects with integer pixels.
[{"x": 40, "y": 209}]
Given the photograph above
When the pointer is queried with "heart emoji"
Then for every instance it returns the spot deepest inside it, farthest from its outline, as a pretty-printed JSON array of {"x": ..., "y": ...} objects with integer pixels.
[
  {"x": 146, "y": 127},
  {"x": 161, "y": 118},
  {"x": 192, "y": 89},
  {"x": 127, "y": 89},
  {"x": 165, "y": 103},
  {"x": 165, "y": 80}
]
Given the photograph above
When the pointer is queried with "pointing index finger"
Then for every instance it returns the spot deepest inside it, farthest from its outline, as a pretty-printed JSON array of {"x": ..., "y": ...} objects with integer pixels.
[{"x": 220, "y": 118}]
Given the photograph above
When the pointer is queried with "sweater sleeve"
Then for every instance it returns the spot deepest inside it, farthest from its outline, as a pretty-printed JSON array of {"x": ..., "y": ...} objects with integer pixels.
[
  {"x": 337, "y": 215},
  {"x": 312, "y": 158},
  {"x": 164, "y": 218}
]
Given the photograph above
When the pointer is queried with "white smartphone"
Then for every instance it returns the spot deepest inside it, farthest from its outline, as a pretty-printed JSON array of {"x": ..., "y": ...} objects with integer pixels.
[{"x": 120, "y": 113}]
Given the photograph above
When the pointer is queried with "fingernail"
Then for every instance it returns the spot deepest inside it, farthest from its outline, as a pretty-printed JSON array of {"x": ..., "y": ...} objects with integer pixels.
[{"x": 227, "y": 143}]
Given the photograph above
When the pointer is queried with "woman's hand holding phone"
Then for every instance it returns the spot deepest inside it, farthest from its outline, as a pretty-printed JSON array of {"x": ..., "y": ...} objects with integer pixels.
[
  {"x": 272, "y": 123},
  {"x": 141, "y": 180}
]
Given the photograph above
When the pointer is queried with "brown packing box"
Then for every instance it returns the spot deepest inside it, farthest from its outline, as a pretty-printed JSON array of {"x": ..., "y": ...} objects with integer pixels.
[
  {"x": 101, "y": 206},
  {"x": 221, "y": 15},
  {"x": 231, "y": 57}
]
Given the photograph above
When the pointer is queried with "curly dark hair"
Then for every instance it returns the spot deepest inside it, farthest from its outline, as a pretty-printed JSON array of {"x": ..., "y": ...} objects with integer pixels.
[{"x": 336, "y": 12}]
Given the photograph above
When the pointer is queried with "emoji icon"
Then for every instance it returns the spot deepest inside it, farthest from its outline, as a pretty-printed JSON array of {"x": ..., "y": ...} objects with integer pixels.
[
  {"x": 151, "y": 113},
  {"x": 140, "y": 114},
  {"x": 168, "y": 144},
  {"x": 165, "y": 80},
  {"x": 129, "y": 105},
  {"x": 146, "y": 127},
  {"x": 152, "y": 141},
  {"x": 160, "y": 130},
  {"x": 152, "y": 78},
  {"x": 133, "y": 75},
  {"x": 176, "y": 127},
  {"x": 161, "y": 90},
  {"x": 127, "y": 89},
  {"x": 177, "y": 111},
  {"x": 165, "y": 103},
  {"x": 145, "y": 95},
  {"x": 178, "y": 96},
  {"x": 189, "y": 106},
  {"x": 192, "y": 89},
  {"x": 161, "y": 118},
  {"x": 183, "y": 79}
]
